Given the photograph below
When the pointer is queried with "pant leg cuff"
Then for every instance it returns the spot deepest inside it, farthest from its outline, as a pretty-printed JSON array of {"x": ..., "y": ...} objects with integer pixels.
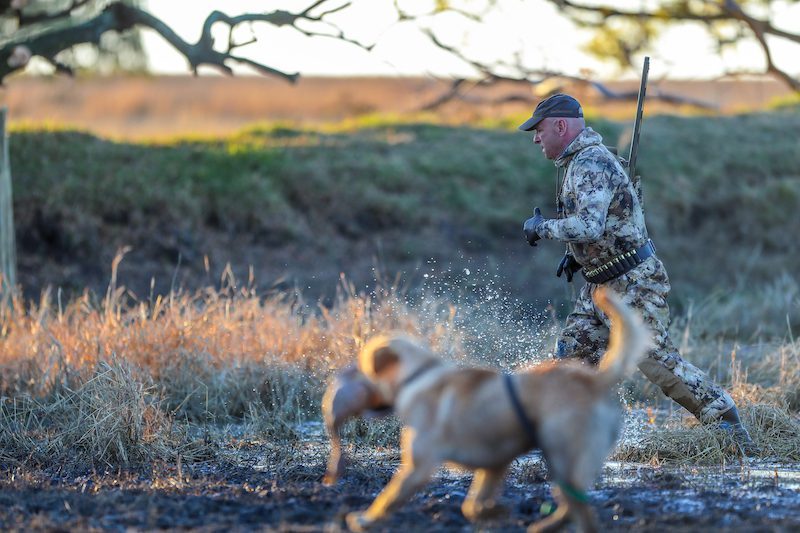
[{"x": 713, "y": 411}]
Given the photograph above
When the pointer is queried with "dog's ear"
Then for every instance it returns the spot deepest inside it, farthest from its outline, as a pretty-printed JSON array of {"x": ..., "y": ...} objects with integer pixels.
[
  {"x": 384, "y": 360},
  {"x": 378, "y": 357}
]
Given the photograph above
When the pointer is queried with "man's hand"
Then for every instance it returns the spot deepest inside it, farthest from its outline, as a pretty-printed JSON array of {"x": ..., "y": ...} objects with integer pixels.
[
  {"x": 531, "y": 227},
  {"x": 569, "y": 266}
]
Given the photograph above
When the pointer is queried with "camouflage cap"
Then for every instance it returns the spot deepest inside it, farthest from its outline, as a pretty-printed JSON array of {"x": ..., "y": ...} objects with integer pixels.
[{"x": 558, "y": 105}]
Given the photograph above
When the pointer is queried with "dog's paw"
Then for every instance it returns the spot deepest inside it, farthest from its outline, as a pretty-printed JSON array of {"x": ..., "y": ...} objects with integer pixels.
[
  {"x": 491, "y": 511},
  {"x": 494, "y": 511},
  {"x": 554, "y": 522},
  {"x": 357, "y": 521}
]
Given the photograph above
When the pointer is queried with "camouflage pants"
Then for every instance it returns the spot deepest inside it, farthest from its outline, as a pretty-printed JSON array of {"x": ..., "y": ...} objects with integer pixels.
[{"x": 644, "y": 288}]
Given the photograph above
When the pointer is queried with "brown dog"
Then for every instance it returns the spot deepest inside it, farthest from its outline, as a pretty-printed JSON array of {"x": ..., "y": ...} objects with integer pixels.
[{"x": 481, "y": 420}]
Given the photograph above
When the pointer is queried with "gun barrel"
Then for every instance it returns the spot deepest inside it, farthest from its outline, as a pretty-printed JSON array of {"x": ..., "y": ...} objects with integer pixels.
[{"x": 637, "y": 125}]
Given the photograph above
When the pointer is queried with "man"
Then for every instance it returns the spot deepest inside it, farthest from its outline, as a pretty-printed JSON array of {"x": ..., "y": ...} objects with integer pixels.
[{"x": 600, "y": 218}]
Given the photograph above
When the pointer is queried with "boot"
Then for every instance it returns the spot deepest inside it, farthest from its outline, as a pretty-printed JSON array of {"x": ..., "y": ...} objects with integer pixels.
[{"x": 730, "y": 422}]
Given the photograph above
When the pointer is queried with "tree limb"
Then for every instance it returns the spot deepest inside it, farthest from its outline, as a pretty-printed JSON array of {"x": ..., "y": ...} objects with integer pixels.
[
  {"x": 459, "y": 89},
  {"x": 35, "y": 18},
  {"x": 716, "y": 11},
  {"x": 760, "y": 28},
  {"x": 120, "y": 17}
]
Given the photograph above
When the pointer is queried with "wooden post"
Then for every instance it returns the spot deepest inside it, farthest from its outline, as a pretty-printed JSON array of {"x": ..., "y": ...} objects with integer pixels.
[{"x": 8, "y": 253}]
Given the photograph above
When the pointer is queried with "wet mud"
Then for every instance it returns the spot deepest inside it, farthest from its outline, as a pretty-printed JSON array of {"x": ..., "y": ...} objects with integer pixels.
[{"x": 257, "y": 486}]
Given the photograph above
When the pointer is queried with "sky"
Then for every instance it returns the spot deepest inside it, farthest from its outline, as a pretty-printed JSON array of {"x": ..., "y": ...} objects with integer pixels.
[{"x": 532, "y": 28}]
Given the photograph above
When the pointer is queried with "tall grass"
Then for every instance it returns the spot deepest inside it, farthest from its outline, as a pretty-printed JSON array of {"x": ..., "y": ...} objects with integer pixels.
[{"x": 117, "y": 382}]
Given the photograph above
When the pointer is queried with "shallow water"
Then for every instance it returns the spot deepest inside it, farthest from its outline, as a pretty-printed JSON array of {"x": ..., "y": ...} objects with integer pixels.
[{"x": 258, "y": 484}]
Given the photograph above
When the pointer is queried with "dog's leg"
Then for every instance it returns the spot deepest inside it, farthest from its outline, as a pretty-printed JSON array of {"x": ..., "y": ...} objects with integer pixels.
[
  {"x": 480, "y": 501},
  {"x": 570, "y": 507},
  {"x": 418, "y": 465},
  {"x": 554, "y": 521},
  {"x": 580, "y": 511}
]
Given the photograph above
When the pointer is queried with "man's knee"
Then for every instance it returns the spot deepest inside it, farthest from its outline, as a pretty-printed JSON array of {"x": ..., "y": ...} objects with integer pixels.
[{"x": 671, "y": 385}]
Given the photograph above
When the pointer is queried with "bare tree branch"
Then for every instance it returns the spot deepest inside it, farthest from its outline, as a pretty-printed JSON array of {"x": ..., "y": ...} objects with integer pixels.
[
  {"x": 663, "y": 13},
  {"x": 470, "y": 15},
  {"x": 35, "y": 18},
  {"x": 313, "y": 21},
  {"x": 459, "y": 89},
  {"x": 281, "y": 18},
  {"x": 760, "y": 29},
  {"x": 120, "y": 17},
  {"x": 708, "y": 12}
]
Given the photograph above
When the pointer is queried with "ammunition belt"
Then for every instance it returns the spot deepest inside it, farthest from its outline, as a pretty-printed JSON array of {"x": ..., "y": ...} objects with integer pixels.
[{"x": 620, "y": 264}]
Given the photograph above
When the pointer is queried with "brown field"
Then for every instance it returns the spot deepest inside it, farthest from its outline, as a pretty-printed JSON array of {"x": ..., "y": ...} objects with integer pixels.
[{"x": 147, "y": 107}]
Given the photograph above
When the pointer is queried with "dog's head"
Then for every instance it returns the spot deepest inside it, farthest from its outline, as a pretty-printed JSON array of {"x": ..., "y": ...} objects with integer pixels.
[
  {"x": 388, "y": 360},
  {"x": 350, "y": 394},
  {"x": 370, "y": 389}
]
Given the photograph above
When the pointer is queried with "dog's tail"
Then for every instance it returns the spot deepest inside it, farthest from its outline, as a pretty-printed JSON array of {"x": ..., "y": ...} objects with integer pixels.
[{"x": 629, "y": 340}]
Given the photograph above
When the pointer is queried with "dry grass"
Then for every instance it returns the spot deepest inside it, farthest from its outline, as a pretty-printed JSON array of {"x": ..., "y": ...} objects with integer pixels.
[
  {"x": 764, "y": 381},
  {"x": 117, "y": 382},
  {"x": 766, "y": 371},
  {"x": 112, "y": 419},
  {"x": 774, "y": 429}
]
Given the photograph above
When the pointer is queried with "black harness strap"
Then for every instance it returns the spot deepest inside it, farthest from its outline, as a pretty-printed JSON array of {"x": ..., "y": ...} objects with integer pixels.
[{"x": 524, "y": 421}]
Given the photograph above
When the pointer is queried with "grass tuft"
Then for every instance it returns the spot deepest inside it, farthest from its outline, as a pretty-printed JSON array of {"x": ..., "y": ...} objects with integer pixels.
[
  {"x": 774, "y": 429},
  {"x": 113, "y": 419}
]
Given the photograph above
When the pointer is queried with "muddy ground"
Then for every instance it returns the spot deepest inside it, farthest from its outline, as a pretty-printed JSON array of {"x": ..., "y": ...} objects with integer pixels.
[{"x": 256, "y": 485}]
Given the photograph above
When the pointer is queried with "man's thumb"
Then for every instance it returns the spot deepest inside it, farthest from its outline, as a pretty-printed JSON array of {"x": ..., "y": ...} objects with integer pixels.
[{"x": 537, "y": 212}]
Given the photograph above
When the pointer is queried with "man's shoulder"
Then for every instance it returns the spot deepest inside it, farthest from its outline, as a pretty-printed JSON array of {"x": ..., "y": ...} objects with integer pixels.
[
  {"x": 597, "y": 157},
  {"x": 595, "y": 152}
]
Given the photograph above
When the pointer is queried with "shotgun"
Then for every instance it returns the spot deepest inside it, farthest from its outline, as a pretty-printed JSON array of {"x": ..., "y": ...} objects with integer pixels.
[{"x": 637, "y": 127}]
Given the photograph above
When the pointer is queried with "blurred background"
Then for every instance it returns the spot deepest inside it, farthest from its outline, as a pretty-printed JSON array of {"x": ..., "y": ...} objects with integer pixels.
[{"x": 375, "y": 142}]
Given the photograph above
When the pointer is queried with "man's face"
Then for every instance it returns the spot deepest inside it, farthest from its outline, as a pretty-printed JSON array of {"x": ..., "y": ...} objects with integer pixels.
[{"x": 549, "y": 134}]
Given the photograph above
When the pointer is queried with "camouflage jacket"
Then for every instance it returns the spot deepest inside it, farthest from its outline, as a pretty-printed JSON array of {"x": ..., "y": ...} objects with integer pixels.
[{"x": 600, "y": 215}]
